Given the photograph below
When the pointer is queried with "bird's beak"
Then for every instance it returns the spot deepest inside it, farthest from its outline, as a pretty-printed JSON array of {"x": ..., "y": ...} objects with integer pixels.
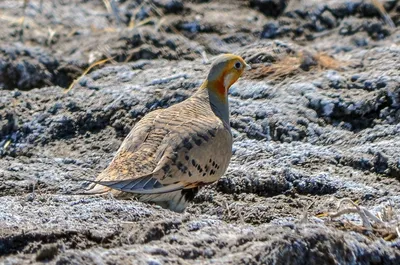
[{"x": 247, "y": 67}]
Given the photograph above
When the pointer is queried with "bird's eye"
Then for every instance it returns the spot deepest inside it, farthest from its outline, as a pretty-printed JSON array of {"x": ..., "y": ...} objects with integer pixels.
[{"x": 238, "y": 65}]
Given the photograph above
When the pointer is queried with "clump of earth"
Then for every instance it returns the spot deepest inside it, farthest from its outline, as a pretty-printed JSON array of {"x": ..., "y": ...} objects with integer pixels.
[{"x": 314, "y": 177}]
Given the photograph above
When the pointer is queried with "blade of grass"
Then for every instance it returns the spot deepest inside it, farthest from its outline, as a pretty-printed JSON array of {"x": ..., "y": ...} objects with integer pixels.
[
  {"x": 134, "y": 13},
  {"x": 6, "y": 144},
  {"x": 383, "y": 13},
  {"x": 87, "y": 71}
]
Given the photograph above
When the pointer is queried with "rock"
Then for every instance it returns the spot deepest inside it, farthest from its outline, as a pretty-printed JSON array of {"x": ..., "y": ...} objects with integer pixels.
[
  {"x": 270, "y": 31},
  {"x": 47, "y": 252},
  {"x": 170, "y": 6},
  {"x": 269, "y": 7}
]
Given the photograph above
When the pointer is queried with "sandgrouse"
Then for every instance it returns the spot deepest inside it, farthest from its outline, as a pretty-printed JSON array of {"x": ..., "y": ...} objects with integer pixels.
[{"x": 172, "y": 152}]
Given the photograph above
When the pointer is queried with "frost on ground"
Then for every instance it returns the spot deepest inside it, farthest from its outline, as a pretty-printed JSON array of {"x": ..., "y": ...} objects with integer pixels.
[{"x": 314, "y": 177}]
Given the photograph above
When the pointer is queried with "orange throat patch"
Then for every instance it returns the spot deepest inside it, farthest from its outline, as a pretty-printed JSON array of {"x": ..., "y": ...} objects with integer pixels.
[{"x": 217, "y": 87}]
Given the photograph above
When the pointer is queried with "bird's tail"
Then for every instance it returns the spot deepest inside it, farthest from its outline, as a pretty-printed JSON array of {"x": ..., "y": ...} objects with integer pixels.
[
  {"x": 175, "y": 201},
  {"x": 94, "y": 189},
  {"x": 169, "y": 197}
]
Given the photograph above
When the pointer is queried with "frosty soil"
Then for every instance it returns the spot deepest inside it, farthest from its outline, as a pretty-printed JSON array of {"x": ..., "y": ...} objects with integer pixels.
[{"x": 304, "y": 140}]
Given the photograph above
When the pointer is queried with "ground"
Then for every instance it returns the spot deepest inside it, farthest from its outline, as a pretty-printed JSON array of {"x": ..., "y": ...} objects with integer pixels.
[{"x": 315, "y": 124}]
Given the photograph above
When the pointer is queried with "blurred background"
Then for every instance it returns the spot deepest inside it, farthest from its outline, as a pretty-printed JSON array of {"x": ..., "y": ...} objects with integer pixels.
[{"x": 57, "y": 40}]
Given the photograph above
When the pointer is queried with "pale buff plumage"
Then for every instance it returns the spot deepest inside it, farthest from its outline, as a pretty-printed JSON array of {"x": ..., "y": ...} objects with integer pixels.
[{"x": 172, "y": 152}]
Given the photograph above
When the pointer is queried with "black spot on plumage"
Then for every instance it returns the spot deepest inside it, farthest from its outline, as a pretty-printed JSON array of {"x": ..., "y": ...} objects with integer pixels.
[
  {"x": 204, "y": 174},
  {"x": 189, "y": 194},
  {"x": 210, "y": 160},
  {"x": 174, "y": 158},
  {"x": 166, "y": 168},
  {"x": 181, "y": 167},
  {"x": 198, "y": 142},
  {"x": 203, "y": 136},
  {"x": 193, "y": 162},
  {"x": 187, "y": 157},
  {"x": 187, "y": 144},
  {"x": 212, "y": 172},
  {"x": 211, "y": 132},
  {"x": 206, "y": 168},
  {"x": 190, "y": 174}
]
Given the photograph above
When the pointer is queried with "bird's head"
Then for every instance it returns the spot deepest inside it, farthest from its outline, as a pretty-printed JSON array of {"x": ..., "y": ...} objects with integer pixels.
[{"x": 225, "y": 70}]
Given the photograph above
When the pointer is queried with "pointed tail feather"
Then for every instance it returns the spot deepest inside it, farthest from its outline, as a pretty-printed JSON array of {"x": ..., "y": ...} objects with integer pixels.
[
  {"x": 141, "y": 185},
  {"x": 147, "y": 189},
  {"x": 95, "y": 189}
]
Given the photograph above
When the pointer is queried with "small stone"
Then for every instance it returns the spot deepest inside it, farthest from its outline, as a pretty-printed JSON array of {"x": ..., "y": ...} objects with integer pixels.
[
  {"x": 328, "y": 19},
  {"x": 269, "y": 7},
  {"x": 17, "y": 94},
  {"x": 368, "y": 85},
  {"x": 355, "y": 77},
  {"x": 170, "y": 6},
  {"x": 47, "y": 252},
  {"x": 270, "y": 31}
]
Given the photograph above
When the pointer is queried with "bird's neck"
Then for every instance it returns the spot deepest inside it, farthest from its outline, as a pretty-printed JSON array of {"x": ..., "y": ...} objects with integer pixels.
[{"x": 218, "y": 98}]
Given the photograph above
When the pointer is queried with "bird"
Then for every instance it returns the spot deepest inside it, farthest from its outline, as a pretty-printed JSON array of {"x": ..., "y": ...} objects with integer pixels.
[{"x": 171, "y": 153}]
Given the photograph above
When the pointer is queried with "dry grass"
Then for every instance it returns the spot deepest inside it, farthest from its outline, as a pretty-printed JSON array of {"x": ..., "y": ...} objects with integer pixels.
[
  {"x": 101, "y": 62},
  {"x": 157, "y": 17},
  {"x": 286, "y": 67},
  {"x": 156, "y": 13},
  {"x": 378, "y": 5},
  {"x": 289, "y": 65},
  {"x": 324, "y": 61},
  {"x": 384, "y": 225}
]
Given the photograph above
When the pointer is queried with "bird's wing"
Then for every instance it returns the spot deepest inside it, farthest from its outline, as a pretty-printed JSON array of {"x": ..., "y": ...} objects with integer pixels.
[{"x": 137, "y": 156}]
